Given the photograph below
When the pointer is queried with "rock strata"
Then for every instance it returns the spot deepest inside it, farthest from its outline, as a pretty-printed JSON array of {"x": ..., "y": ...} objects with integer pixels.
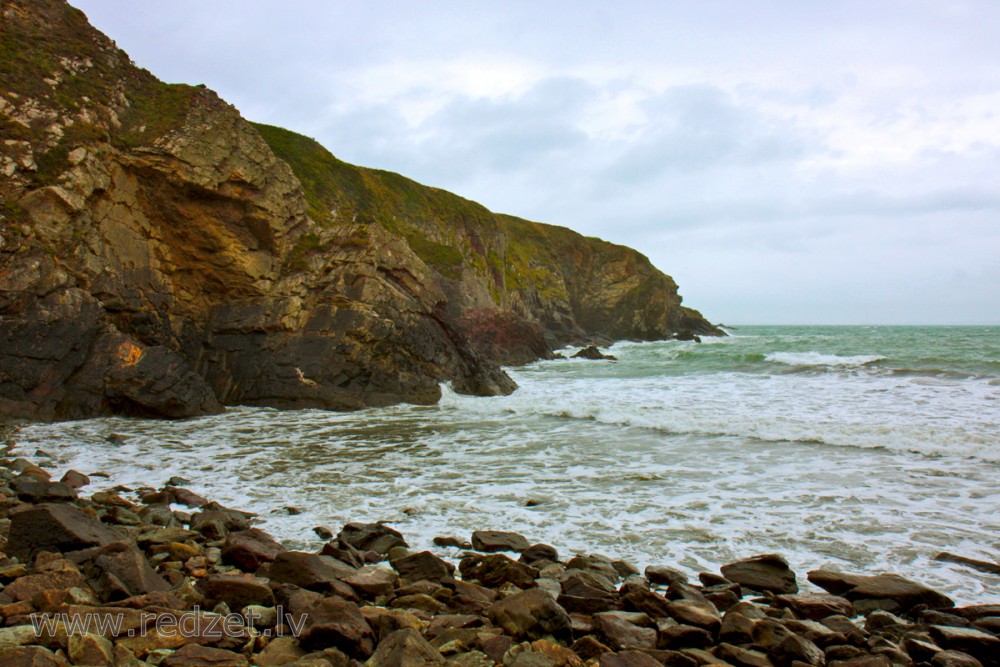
[{"x": 246, "y": 600}]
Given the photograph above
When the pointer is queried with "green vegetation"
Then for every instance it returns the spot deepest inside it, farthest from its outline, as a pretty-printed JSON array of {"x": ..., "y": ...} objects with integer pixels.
[{"x": 155, "y": 110}]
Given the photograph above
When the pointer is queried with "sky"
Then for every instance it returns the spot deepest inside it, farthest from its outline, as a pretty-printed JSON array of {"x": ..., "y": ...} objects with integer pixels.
[{"x": 790, "y": 162}]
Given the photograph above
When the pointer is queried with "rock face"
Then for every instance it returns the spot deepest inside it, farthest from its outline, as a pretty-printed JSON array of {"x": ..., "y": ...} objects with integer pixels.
[{"x": 161, "y": 256}]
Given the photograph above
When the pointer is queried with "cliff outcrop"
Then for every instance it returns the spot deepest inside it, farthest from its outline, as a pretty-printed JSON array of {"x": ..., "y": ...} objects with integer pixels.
[{"x": 162, "y": 256}]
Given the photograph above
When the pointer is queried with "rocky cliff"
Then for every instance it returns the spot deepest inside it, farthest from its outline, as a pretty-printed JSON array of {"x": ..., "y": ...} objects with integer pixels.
[{"x": 160, "y": 255}]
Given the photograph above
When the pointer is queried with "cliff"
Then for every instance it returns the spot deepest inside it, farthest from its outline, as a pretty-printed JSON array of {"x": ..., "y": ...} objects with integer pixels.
[{"x": 160, "y": 255}]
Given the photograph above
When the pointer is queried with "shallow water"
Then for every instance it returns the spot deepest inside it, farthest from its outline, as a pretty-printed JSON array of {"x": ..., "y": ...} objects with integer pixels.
[{"x": 864, "y": 448}]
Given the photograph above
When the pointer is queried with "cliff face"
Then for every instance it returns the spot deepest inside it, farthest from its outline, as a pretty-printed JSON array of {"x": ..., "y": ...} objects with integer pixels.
[{"x": 159, "y": 255}]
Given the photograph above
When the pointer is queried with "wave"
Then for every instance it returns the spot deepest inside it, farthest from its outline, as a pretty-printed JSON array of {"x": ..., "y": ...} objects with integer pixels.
[{"x": 820, "y": 359}]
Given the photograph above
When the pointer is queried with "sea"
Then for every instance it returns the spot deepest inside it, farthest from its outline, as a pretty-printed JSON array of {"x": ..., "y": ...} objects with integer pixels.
[{"x": 865, "y": 449}]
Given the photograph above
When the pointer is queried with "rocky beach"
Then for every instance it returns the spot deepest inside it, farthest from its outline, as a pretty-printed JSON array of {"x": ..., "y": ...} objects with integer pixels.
[{"x": 163, "y": 576}]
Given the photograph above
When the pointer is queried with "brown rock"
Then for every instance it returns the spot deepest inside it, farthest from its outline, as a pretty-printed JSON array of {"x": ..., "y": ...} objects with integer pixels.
[
  {"x": 815, "y": 606},
  {"x": 54, "y": 527},
  {"x": 628, "y": 659},
  {"x": 698, "y": 614},
  {"x": 530, "y": 615},
  {"x": 75, "y": 479},
  {"x": 983, "y": 646},
  {"x": 642, "y": 599},
  {"x": 193, "y": 655},
  {"x": 405, "y": 648},
  {"x": 279, "y": 651},
  {"x": 588, "y": 648},
  {"x": 684, "y": 636},
  {"x": 952, "y": 659},
  {"x": 376, "y": 537},
  {"x": 338, "y": 623},
  {"x": 620, "y": 634},
  {"x": 537, "y": 552},
  {"x": 741, "y": 657},
  {"x": 769, "y": 572},
  {"x": 423, "y": 566},
  {"x": 868, "y": 589},
  {"x": 373, "y": 580},
  {"x": 119, "y": 570},
  {"x": 497, "y": 540},
  {"x": 663, "y": 575},
  {"x": 236, "y": 591},
  {"x": 315, "y": 573},
  {"x": 31, "y": 656},
  {"x": 795, "y": 649},
  {"x": 249, "y": 549},
  {"x": 496, "y": 570}
]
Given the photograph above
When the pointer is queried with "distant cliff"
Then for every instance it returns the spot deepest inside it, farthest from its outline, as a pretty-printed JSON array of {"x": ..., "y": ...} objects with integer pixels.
[{"x": 160, "y": 255}]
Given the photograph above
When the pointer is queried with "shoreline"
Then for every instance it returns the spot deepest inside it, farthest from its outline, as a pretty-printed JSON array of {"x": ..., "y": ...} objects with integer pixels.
[{"x": 364, "y": 596}]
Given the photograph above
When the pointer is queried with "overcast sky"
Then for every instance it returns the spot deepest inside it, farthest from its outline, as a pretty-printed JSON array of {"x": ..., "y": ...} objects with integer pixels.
[{"x": 785, "y": 162}]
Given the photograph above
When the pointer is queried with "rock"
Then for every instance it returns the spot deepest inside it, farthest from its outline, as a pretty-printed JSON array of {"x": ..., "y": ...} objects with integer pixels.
[
  {"x": 983, "y": 566},
  {"x": 496, "y": 570},
  {"x": 741, "y": 657},
  {"x": 54, "y": 527},
  {"x": 583, "y": 584},
  {"x": 684, "y": 636},
  {"x": 594, "y": 563},
  {"x": 795, "y": 650},
  {"x": 537, "y": 552},
  {"x": 31, "y": 489},
  {"x": 279, "y": 651},
  {"x": 736, "y": 628},
  {"x": 888, "y": 587},
  {"x": 588, "y": 648},
  {"x": 628, "y": 659},
  {"x": 662, "y": 575},
  {"x": 646, "y": 601},
  {"x": 31, "y": 656},
  {"x": 323, "y": 533},
  {"x": 405, "y": 648},
  {"x": 193, "y": 655},
  {"x": 451, "y": 541},
  {"x": 698, "y": 614},
  {"x": 75, "y": 479},
  {"x": 769, "y": 572},
  {"x": 593, "y": 353},
  {"x": 338, "y": 623},
  {"x": 373, "y": 580},
  {"x": 816, "y": 606},
  {"x": 315, "y": 573},
  {"x": 497, "y": 540},
  {"x": 620, "y": 634},
  {"x": 236, "y": 591},
  {"x": 119, "y": 570},
  {"x": 249, "y": 549},
  {"x": 954, "y": 659},
  {"x": 423, "y": 566},
  {"x": 375, "y": 537},
  {"x": 983, "y": 646},
  {"x": 530, "y": 615}
]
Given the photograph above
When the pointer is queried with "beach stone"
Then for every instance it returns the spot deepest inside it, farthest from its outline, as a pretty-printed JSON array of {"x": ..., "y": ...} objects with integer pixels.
[
  {"x": 698, "y": 614},
  {"x": 193, "y": 655},
  {"x": 815, "y": 606},
  {"x": 795, "y": 649},
  {"x": 953, "y": 659},
  {"x": 472, "y": 659},
  {"x": 423, "y": 566},
  {"x": 236, "y": 591},
  {"x": 880, "y": 587},
  {"x": 619, "y": 634},
  {"x": 28, "y": 587},
  {"x": 279, "y": 651},
  {"x": 769, "y": 633},
  {"x": 451, "y": 541},
  {"x": 589, "y": 648},
  {"x": 33, "y": 489},
  {"x": 583, "y": 584},
  {"x": 186, "y": 496},
  {"x": 309, "y": 571},
  {"x": 119, "y": 570},
  {"x": 90, "y": 649},
  {"x": 684, "y": 636},
  {"x": 386, "y": 621},
  {"x": 537, "y": 552},
  {"x": 249, "y": 549},
  {"x": 768, "y": 572},
  {"x": 976, "y": 612},
  {"x": 75, "y": 479},
  {"x": 497, "y": 540},
  {"x": 496, "y": 570},
  {"x": 345, "y": 553},
  {"x": 628, "y": 659},
  {"x": 31, "y": 656},
  {"x": 663, "y": 575},
  {"x": 642, "y": 599},
  {"x": 741, "y": 657},
  {"x": 375, "y": 537},
  {"x": 980, "y": 645},
  {"x": 593, "y": 353},
  {"x": 373, "y": 580},
  {"x": 594, "y": 563},
  {"x": 54, "y": 527},
  {"x": 530, "y": 615},
  {"x": 682, "y": 591},
  {"x": 736, "y": 628},
  {"x": 405, "y": 648},
  {"x": 338, "y": 623}
]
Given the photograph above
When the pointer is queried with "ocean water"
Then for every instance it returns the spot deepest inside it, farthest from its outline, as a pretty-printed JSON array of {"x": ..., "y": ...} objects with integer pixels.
[{"x": 867, "y": 449}]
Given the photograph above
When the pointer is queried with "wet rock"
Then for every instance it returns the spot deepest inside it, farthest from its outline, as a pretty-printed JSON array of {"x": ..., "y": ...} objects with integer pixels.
[
  {"x": 491, "y": 541},
  {"x": 496, "y": 570},
  {"x": 236, "y": 591},
  {"x": 795, "y": 649},
  {"x": 530, "y": 615},
  {"x": 31, "y": 656},
  {"x": 583, "y": 584},
  {"x": 981, "y": 565},
  {"x": 90, "y": 649},
  {"x": 875, "y": 590},
  {"x": 684, "y": 636},
  {"x": 736, "y": 628},
  {"x": 323, "y": 533},
  {"x": 119, "y": 570},
  {"x": 279, "y": 651},
  {"x": 249, "y": 549},
  {"x": 423, "y": 566},
  {"x": 594, "y": 563},
  {"x": 538, "y": 552},
  {"x": 981, "y": 645},
  {"x": 451, "y": 541},
  {"x": 54, "y": 527},
  {"x": 816, "y": 606},
  {"x": 75, "y": 479},
  {"x": 769, "y": 572},
  {"x": 698, "y": 614},
  {"x": 953, "y": 659},
  {"x": 346, "y": 553},
  {"x": 376, "y": 537},
  {"x": 338, "y": 623},
  {"x": 373, "y": 580},
  {"x": 619, "y": 634},
  {"x": 628, "y": 659},
  {"x": 589, "y": 648},
  {"x": 664, "y": 576},
  {"x": 642, "y": 599},
  {"x": 315, "y": 573},
  {"x": 31, "y": 489},
  {"x": 742, "y": 657},
  {"x": 405, "y": 648},
  {"x": 592, "y": 352},
  {"x": 193, "y": 655}
]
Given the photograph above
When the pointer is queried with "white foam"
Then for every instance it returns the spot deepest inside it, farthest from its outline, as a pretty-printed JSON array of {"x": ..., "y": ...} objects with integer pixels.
[{"x": 819, "y": 359}]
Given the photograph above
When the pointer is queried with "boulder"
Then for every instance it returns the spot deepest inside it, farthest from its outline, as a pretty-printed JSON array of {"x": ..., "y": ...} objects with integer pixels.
[
  {"x": 376, "y": 537},
  {"x": 338, "y": 623},
  {"x": 405, "y": 648},
  {"x": 768, "y": 572},
  {"x": 31, "y": 656},
  {"x": 236, "y": 591},
  {"x": 619, "y": 634},
  {"x": 592, "y": 352},
  {"x": 193, "y": 655},
  {"x": 119, "y": 570},
  {"x": 496, "y": 570},
  {"x": 90, "y": 649},
  {"x": 423, "y": 566},
  {"x": 315, "y": 573},
  {"x": 373, "y": 580},
  {"x": 54, "y": 527},
  {"x": 537, "y": 552},
  {"x": 874, "y": 590},
  {"x": 249, "y": 549},
  {"x": 530, "y": 615},
  {"x": 983, "y": 646},
  {"x": 32, "y": 489},
  {"x": 497, "y": 540},
  {"x": 663, "y": 575},
  {"x": 815, "y": 606}
]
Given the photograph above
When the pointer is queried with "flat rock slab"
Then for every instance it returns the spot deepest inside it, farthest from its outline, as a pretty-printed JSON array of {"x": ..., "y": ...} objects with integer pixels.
[
  {"x": 54, "y": 527},
  {"x": 892, "y": 587},
  {"x": 497, "y": 540},
  {"x": 768, "y": 572}
]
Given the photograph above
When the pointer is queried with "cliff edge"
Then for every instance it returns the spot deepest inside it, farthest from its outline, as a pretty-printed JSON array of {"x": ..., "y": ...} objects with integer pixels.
[{"x": 162, "y": 256}]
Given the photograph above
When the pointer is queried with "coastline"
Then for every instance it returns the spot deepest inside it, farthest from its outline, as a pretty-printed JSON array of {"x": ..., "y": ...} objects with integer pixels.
[{"x": 365, "y": 597}]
